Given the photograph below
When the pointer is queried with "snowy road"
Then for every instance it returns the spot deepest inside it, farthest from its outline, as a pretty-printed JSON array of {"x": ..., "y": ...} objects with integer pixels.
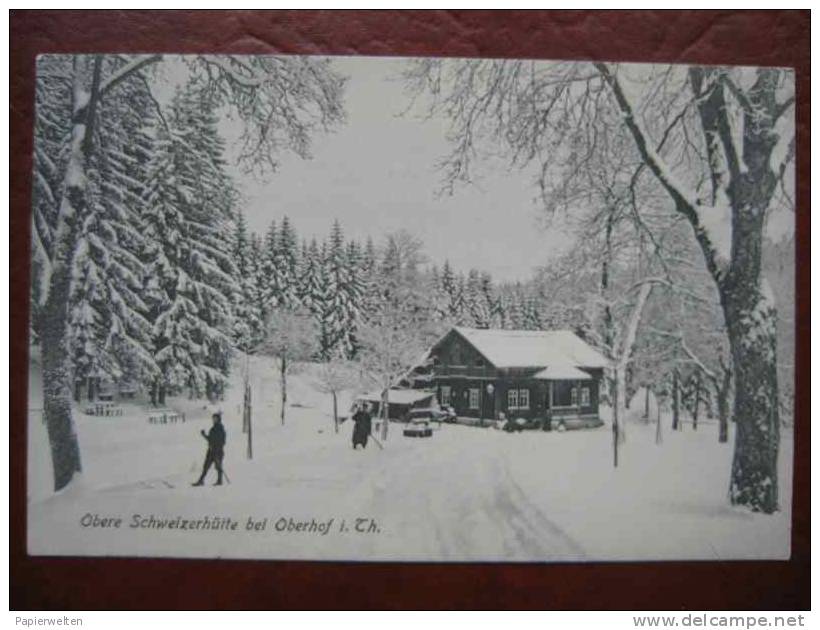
[{"x": 464, "y": 504}]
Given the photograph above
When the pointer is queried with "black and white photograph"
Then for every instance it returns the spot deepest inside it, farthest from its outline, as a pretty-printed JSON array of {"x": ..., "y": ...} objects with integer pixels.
[{"x": 426, "y": 309}]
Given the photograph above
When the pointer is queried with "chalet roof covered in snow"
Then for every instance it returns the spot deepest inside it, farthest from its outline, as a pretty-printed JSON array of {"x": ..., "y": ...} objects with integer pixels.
[
  {"x": 533, "y": 348},
  {"x": 561, "y": 373}
]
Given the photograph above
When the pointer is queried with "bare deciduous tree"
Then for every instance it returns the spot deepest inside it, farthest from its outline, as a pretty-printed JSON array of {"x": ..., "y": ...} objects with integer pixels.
[
  {"x": 334, "y": 376},
  {"x": 389, "y": 349},
  {"x": 292, "y": 337}
]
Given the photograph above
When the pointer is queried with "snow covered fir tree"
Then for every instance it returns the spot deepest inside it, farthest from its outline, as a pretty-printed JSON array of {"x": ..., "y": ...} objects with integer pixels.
[{"x": 212, "y": 234}]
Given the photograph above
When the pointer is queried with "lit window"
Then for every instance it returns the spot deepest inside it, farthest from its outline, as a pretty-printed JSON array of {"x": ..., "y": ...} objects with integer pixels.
[
  {"x": 474, "y": 398},
  {"x": 585, "y": 396},
  {"x": 512, "y": 399},
  {"x": 445, "y": 394},
  {"x": 574, "y": 402}
]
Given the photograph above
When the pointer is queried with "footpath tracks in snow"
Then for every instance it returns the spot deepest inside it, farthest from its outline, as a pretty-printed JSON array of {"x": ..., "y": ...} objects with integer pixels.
[
  {"x": 539, "y": 537},
  {"x": 457, "y": 499}
]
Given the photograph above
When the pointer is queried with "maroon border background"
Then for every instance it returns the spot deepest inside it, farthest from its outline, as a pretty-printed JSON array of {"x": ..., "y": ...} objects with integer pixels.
[{"x": 757, "y": 38}]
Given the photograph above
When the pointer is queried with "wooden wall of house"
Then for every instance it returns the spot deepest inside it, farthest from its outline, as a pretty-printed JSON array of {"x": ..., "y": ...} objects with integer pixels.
[
  {"x": 454, "y": 355},
  {"x": 491, "y": 405}
]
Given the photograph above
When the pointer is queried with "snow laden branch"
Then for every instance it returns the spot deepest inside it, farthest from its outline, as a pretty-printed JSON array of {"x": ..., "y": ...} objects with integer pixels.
[
  {"x": 282, "y": 102},
  {"x": 124, "y": 72},
  {"x": 686, "y": 201}
]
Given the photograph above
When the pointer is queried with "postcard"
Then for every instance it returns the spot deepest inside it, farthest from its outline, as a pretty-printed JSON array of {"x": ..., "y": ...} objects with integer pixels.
[{"x": 410, "y": 309}]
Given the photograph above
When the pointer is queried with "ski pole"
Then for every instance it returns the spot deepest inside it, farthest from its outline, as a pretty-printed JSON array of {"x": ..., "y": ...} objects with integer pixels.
[
  {"x": 376, "y": 441},
  {"x": 224, "y": 474}
]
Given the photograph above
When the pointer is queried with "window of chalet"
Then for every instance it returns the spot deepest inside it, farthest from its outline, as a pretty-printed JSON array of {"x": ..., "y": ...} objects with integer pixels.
[
  {"x": 445, "y": 395},
  {"x": 574, "y": 396},
  {"x": 585, "y": 396},
  {"x": 518, "y": 399},
  {"x": 474, "y": 399},
  {"x": 512, "y": 399}
]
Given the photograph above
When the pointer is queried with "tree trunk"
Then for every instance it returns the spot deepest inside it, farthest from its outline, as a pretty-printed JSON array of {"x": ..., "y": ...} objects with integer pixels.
[
  {"x": 616, "y": 434},
  {"x": 748, "y": 308},
  {"x": 62, "y": 437},
  {"x": 283, "y": 371},
  {"x": 751, "y": 319},
  {"x": 646, "y": 404},
  {"x": 675, "y": 400},
  {"x": 245, "y": 408},
  {"x": 57, "y": 372},
  {"x": 335, "y": 412},
  {"x": 628, "y": 391},
  {"x": 697, "y": 401},
  {"x": 623, "y": 359},
  {"x": 609, "y": 320},
  {"x": 247, "y": 419},
  {"x": 658, "y": 430},
  {"x": 618, "y": 400},
  {"x": 722, "y": 393},
  {"x": 385, "y": 412}
]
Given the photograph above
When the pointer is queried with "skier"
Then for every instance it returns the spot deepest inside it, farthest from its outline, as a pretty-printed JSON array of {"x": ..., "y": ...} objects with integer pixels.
[
  {"x": 216, "y": 450},
  {"x": 362, "y": 427}
]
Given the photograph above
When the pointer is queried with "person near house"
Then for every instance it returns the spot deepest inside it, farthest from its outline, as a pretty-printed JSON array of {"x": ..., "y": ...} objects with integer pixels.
[
  {"x": 216, "y": 450},
  {"x": 362, "y": 426}
]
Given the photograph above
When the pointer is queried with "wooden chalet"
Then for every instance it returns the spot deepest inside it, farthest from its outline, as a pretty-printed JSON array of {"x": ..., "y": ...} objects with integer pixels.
[{"x": 552, "y": 377}]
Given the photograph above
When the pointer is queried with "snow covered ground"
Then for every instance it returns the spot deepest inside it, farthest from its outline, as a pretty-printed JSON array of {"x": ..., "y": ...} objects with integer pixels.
[{"x": 465, "y": 494}]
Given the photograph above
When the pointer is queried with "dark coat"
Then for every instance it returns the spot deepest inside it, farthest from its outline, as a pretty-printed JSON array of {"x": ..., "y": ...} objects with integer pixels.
[
  {"x": 362, "y": 428},
  {"x": 216, "y": 438}
]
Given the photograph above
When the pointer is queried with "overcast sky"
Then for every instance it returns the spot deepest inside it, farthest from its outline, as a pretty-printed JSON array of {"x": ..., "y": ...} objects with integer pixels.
[{"x": 377, "y": 174}]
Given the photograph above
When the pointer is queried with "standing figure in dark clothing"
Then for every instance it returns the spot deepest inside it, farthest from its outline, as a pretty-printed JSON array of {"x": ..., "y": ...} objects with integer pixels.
[
  {"x": 216, "y": 450},
  {"x": 362, "y": 428}
]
